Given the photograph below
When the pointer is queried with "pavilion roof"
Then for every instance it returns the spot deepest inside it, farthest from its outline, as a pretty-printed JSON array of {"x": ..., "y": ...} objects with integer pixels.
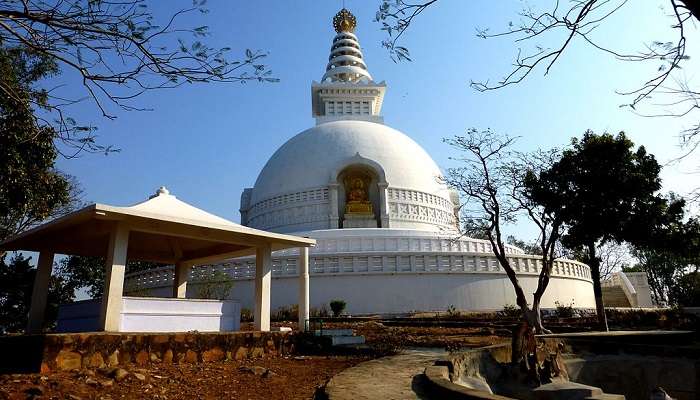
[{"x": 162, "y": 229}]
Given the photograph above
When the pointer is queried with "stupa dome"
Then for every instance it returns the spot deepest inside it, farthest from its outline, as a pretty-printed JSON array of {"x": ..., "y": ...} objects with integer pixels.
[
  {"x": 350, "y": 170},
  {"x": 316, "y": 156},
  {"x": 385, "y": 225}
]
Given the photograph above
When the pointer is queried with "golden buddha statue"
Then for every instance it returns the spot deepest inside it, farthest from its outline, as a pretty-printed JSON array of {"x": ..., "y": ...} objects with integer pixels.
[{"x": 357, "y": 198}]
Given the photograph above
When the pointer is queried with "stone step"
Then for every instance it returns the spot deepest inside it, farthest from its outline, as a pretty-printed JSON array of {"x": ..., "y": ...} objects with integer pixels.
[
  {"x": 614, "y": 296},
  {"x": 606, "y": 396},
  {"x": 345, "y": 340},
  {"x": 334, "y": 332},
  {"x": 566, "y": 391}
]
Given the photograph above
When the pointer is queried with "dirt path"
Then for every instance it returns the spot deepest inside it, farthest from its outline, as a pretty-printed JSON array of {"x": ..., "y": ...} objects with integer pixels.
[{"x": 396, "y": 377}]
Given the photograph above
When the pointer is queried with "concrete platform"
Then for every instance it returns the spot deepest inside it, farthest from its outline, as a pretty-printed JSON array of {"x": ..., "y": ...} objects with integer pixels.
[
  {"x": 334, "y": 332},
  {"x": 347, "y": 340}
]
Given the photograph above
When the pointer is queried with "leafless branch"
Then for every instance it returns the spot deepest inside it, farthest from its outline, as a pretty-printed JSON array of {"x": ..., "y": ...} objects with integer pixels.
[{"x": 119, "y": 53}]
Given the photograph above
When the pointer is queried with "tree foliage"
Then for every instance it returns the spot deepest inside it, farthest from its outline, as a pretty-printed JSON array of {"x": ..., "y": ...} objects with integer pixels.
[
  {"x": 669, "y": 263},
  {"x": 119, "y": 51},
  {"x": 16, "y": 284},
  {"x": 69, "y": 275},
  {"x": 688, "y": 290},
  {"x": 89, "y": 272},
  {"x": 605, "y": 191},
  {"x": 527, "y": 247},
  {"x": 31, "y": 189}
]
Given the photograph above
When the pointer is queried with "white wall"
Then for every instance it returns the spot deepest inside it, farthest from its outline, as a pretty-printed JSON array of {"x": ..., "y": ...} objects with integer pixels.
[
  {"x": 140, "y": 314},
  {"x": 387, "y": 293}
]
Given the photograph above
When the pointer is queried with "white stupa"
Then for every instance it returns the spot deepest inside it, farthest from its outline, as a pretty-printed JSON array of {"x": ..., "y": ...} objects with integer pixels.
[{"x": 385, "y": 224}]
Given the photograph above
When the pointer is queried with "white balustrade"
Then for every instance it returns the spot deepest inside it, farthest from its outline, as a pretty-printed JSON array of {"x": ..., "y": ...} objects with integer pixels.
[{"x": 385, "y": 262}]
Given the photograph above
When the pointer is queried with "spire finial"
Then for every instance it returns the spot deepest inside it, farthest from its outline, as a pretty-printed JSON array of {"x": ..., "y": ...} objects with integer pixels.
[
  {"x": 162, "y": 191},
  {"x": 344, "y": 21}
]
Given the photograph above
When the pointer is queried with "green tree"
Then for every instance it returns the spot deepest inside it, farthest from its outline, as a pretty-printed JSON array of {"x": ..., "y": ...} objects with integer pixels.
[
  {"x": 688, "y": 291},
  {"x": 527, "y": 247},
  {"x": 668, "y": 259},
  {"x": 216, "y": 286},
  {"x": 89, "y": 272},
  {"x": 31, "y": 189},
  {"x": 604, "y": 190},
  {"x": 16, "y": 283}
]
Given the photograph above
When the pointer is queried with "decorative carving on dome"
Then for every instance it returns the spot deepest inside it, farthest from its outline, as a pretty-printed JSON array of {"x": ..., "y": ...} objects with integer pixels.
[{"x": 344, "y": 21}]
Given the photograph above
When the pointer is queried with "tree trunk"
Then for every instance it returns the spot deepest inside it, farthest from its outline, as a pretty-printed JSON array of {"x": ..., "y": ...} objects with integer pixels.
[
  {"x": 594, "y": 263},
  {"x": 534, "y": 318}
]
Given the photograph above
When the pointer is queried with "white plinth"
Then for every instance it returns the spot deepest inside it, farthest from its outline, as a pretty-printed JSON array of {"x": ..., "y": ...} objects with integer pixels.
[
  {"x": 359, "y": 221},
  {"x": 152, "y": 314}
]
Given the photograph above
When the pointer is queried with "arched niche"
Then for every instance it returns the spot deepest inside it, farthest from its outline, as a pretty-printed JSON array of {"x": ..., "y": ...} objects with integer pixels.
[
  {"x": 374, "y": 181},
  {"x": 348, "y": 179}
]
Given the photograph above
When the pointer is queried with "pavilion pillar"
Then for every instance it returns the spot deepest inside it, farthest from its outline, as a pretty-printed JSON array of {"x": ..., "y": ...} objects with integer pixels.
[
  {"x": 110, "y": 317},
  {"x": 303, "y": 287},
  {"x": 263, "y": 280},
  {"x": 182, "y": 274},
  {"x": 40, "y": 292}
]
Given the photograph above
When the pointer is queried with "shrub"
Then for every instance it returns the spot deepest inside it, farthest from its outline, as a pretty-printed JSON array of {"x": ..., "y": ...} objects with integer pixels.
[
  {"x": 510, "y": 311},
  {"x": 387, "y": 345},
  {"x": 216, "y": 286},
  {"x": 321, "y": 312},
  {"x": 563, "y": 310},
  {"x": 246, "y": 315},
  {"x": 285, "y": 313},
  {"x": 452, "y": 311},
  {"x": 337, "y": 306}
]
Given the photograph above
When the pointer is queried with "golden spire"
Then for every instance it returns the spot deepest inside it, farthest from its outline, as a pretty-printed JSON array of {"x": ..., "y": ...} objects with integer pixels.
[{"x": 344, "y": 21}]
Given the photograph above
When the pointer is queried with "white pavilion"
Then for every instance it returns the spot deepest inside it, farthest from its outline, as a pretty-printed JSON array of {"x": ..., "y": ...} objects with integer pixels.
[{"x": 385, "y": 226}]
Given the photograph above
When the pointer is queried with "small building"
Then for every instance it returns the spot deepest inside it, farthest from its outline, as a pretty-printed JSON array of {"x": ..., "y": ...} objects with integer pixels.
[{"x": 165, "y": 230}]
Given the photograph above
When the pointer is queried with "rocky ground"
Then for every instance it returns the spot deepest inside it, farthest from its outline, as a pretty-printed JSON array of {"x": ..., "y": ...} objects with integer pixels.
[
  {"x": 270, "y": 378},
  {"x": 416, "y": 336},
  {"x": 434, "y": 336}
]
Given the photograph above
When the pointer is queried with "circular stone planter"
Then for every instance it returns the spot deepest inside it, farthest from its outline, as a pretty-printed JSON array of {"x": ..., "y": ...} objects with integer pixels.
[{"x": 605, "y": 365}]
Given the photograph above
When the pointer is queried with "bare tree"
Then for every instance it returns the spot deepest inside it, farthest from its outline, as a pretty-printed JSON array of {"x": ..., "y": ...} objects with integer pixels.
[
  {"x": 492, "y": 182},
  {"x": 566, "y": 22},
  {"x": 613, "y": 257},
  {"x": 119, "y": 52},
  {"x": 524, "y": 174}
]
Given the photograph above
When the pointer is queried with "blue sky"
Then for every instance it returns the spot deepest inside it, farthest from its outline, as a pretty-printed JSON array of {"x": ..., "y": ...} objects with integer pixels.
[{"x": 208, "y": 142}]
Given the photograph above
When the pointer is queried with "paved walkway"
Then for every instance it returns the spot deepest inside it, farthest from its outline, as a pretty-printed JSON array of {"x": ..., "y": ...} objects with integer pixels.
[{"x": 389, "y": 378}]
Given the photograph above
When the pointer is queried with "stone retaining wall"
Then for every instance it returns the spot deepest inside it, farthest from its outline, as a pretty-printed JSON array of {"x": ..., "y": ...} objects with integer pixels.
[{"x": 62, "y": 352}]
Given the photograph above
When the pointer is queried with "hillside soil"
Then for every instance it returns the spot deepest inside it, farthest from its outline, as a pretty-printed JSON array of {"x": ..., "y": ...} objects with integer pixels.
[{"x": 270, "y": 378}]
